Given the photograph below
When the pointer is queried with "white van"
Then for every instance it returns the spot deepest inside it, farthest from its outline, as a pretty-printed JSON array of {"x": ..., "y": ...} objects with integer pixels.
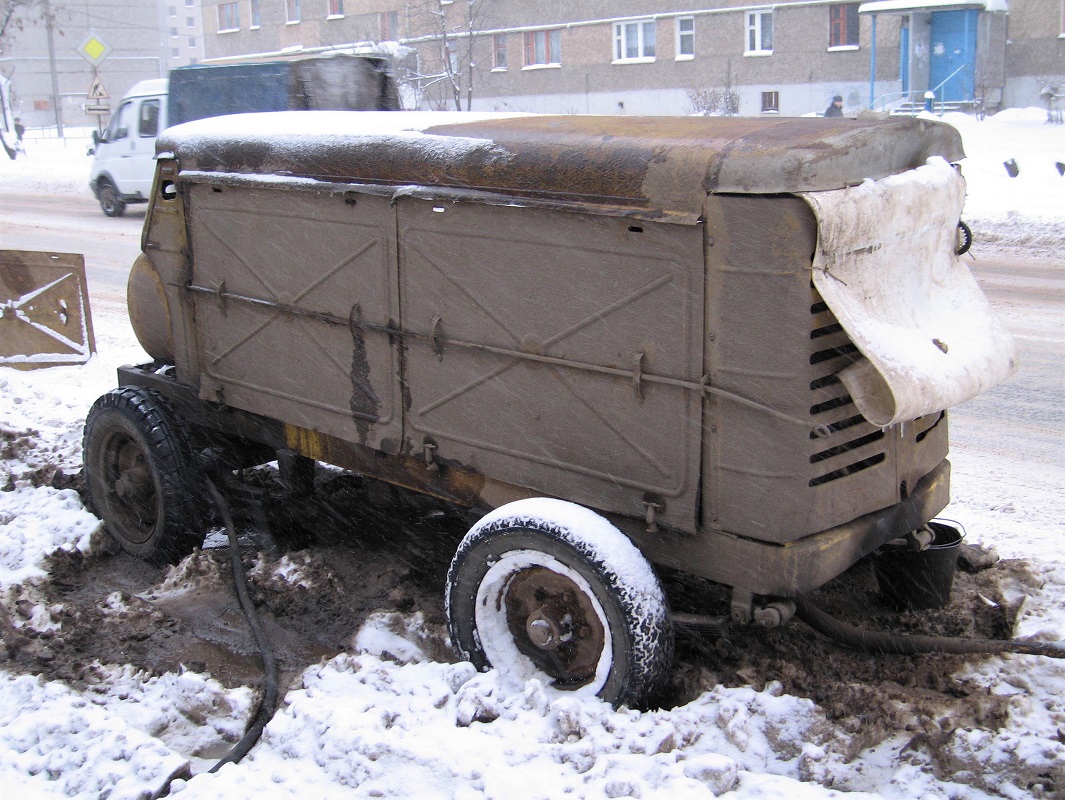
[{"x": 124, "y": 163}]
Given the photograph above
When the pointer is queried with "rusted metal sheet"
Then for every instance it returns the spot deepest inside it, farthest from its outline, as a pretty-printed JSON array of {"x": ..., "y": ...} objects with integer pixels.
[
  {"x": 592, "y": 294},
  {"x": 280, "y": 309},
  {"x": 662, "y": 167},
  {"x": 44, "y": 310}
]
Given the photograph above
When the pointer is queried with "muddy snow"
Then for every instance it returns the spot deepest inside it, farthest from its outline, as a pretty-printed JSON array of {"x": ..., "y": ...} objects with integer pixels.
[{"x": 118, "y": 679}]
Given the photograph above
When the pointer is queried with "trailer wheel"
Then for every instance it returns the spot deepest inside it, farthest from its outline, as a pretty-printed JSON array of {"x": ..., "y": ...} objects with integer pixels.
[
  {"x": 549, "y": 590},
  {"x": 141, "y": 475},
  {"x": 109, "y": 200}
]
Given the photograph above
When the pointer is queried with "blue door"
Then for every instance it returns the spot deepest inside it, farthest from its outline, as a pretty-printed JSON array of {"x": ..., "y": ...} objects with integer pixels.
[{"x": 953, "y": 54}]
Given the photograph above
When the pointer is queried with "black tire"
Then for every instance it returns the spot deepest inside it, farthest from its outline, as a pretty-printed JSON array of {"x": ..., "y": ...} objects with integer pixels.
[
  {"x": 110, "y": 201},
  {"x": 549, "y": 590},
  {"x": 141, "y": 476}
]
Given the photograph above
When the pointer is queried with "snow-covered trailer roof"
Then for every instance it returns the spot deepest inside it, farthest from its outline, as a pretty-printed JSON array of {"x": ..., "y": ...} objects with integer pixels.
[{"x": 660, "y": 167}]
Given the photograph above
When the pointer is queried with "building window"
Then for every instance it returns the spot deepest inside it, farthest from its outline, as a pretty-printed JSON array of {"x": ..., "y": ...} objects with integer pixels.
[
  {"x": 175, "y": 52},
  {"x": 292, "y": 11},
  {"x": 388, "y": 22},
  {"x": 685, "y": 38},
  {"x": 256, "y": 13},
  {"x": 453, "y": 64},
  {"x": 843, "y": 25},
  {"x": 190, "y": 3},
  {"x": 771, "y": 102},
  {"x": 543, "y": 47},
  {"x": 171, "y": 11},
  {"x": 499, "y": 51},
  {"x": 173, "y": 33},
  {"x": 634, "y": 41},
  {"x": 759, "y": 33},
  {"x": 192, "y": 41},
  {"x": 336, "y": 8},
  {"x": 190, "y": 22},
  {"x": 228, "y": 17}
]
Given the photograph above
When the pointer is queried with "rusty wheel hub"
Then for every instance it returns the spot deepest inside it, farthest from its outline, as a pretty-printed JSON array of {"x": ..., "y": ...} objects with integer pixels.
[
  {"x": 554, "y": 623},
  {"x": 130, "y": 487}
]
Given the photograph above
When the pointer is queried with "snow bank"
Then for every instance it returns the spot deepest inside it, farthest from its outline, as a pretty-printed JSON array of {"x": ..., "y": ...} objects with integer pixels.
[{"x": 1023, "y": 212}]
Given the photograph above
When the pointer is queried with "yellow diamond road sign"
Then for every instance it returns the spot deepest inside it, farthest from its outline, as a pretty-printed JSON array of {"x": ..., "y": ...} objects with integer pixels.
[{"x": 93, "y": 48}]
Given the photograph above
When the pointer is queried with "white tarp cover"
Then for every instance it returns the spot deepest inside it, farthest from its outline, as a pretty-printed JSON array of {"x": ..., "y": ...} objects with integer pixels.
[{"x": 886, "y": 266}]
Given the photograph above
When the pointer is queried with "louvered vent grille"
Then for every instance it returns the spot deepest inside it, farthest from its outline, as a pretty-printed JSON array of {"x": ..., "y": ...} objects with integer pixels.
[{"x": 845, "y": 443}]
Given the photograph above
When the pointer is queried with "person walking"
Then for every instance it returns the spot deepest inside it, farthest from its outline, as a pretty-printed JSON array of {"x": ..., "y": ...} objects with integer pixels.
[{"x": 835, "y": 109}]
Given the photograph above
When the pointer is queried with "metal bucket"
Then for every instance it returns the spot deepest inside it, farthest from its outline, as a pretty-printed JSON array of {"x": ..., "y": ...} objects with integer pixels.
[{"x": 919, "y": 580}]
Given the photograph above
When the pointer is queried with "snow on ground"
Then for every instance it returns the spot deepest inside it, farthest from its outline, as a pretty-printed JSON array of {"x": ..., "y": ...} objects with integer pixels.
[{"x": 366, "y": 725}]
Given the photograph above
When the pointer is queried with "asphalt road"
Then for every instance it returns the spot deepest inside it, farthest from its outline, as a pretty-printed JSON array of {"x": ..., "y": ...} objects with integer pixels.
[{"x": 75, "y": 225}]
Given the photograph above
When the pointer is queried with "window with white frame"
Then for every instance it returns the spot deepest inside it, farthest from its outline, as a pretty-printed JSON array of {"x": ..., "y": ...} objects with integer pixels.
[
  {"x": 228, "y": 17},
  {"x": 256, "y": 13},
  {"x": 634, "y": 41},
  {"x": 190, "y": 22},
  {"x": 543, "y": 48},
  {"x": 843, "y": 26},
  {"x": 685, "y": 38},
  {"x": 759, "y": 32},
  {"x": 770, "y": 102},
  {"x": 336, "y": 8},
  {"x": 499, "y": 51},
  {"x": 293, "y": 13},
  {"x": 192, "y": 41}
]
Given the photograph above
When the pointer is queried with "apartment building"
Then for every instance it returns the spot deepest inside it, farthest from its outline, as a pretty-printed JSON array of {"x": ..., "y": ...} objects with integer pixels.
[{"x": 674, "y": 56}]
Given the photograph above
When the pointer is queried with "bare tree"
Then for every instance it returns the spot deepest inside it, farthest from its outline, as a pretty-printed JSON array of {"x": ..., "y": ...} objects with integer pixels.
[
  {"x": 16, "y": 14},
  {"x": 448, "y": 38},
  {"x": 721, "y": 101}
]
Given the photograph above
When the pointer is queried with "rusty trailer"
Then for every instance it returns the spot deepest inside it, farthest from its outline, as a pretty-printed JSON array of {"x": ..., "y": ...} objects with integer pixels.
[{"x": 720, "y": 346}]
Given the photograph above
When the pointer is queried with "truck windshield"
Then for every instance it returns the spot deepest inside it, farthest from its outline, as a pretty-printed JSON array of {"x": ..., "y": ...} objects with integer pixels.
[{"x": 120, "y": 122}]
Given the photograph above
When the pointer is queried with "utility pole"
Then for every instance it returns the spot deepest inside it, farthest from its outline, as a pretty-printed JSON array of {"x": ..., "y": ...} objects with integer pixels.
[{"x": 56, "y": 99}]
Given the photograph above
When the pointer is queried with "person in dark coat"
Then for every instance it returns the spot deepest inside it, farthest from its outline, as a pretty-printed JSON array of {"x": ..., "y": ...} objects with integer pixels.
[
  {"x": 19, "y": 130},
  {"x": 836, "y": 108}
]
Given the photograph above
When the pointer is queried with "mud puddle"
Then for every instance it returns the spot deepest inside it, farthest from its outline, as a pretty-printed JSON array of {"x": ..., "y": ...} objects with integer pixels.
[{"x": 111, "y": 608}]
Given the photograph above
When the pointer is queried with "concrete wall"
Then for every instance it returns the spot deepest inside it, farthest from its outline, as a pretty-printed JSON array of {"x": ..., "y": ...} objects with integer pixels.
[{"x": 1035, "y": 51}]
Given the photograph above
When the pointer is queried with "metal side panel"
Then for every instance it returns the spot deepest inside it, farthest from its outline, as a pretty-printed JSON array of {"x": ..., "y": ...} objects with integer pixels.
[
  {"x": 44, "y": 310},
  {"x": 287, "y": 287},
  {"x": 538, "y": 338},
  {"x": 165, "y": 241},
  {"x": 816, "y": 462}
]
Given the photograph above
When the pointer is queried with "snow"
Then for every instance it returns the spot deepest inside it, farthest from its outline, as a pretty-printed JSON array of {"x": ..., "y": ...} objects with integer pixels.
[
  {"x": 385, "y": 721},
  {"x": 408, "y": 130}
]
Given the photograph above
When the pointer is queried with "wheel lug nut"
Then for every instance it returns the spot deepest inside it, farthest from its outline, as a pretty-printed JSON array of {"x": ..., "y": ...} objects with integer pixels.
[{"x": 542, "y": 631}]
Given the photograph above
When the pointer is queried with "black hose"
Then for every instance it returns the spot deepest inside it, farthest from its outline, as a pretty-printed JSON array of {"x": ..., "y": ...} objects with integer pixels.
[
  {"x": 904, "y": 644},
  {"x": 266, "y": 707}
]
